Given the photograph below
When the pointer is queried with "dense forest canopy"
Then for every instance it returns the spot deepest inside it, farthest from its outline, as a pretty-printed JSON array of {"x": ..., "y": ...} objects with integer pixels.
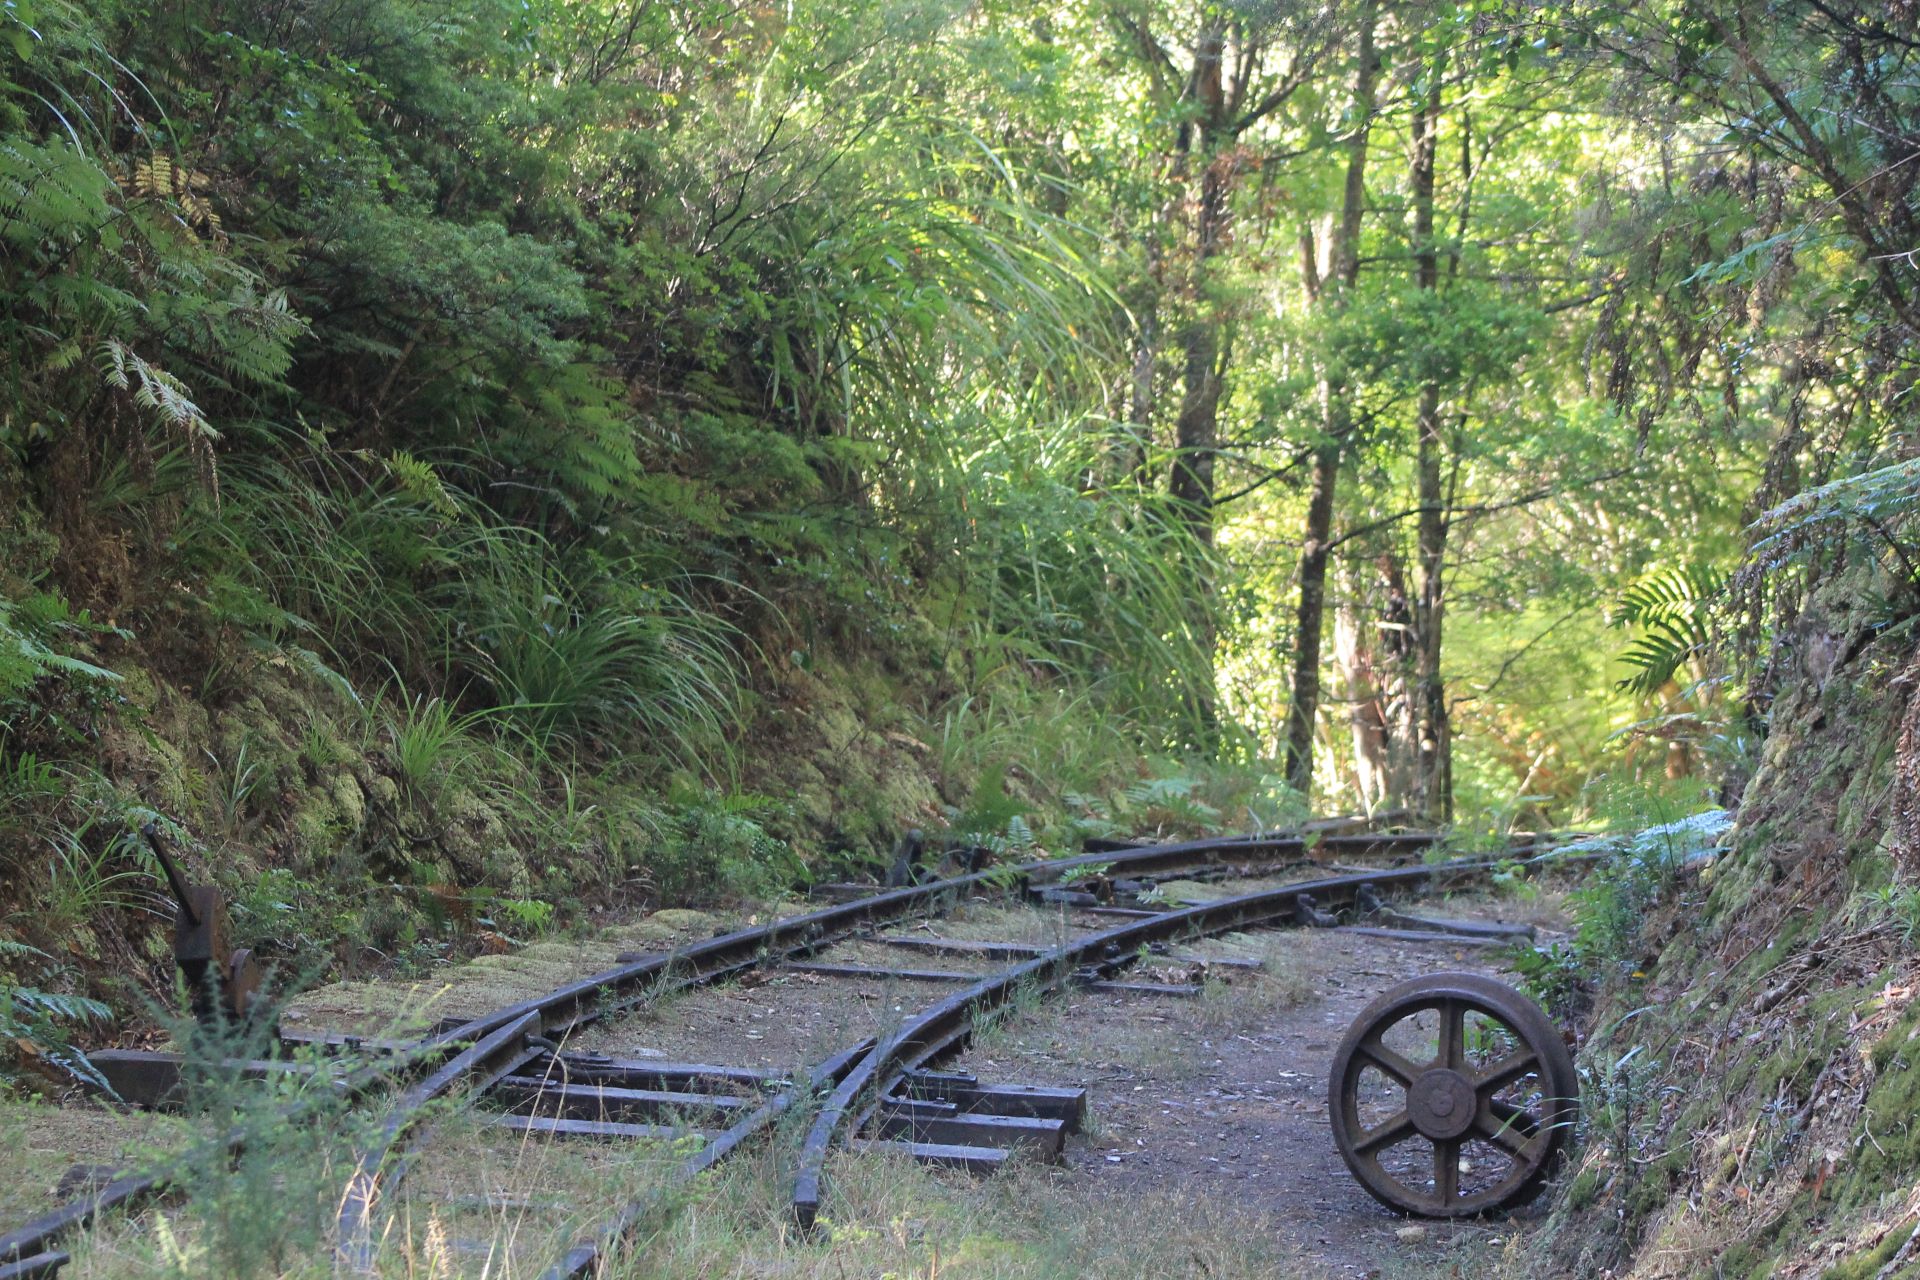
[
  {"x": 1438, "y": 406},
  {"x": 471, "y": 470}
]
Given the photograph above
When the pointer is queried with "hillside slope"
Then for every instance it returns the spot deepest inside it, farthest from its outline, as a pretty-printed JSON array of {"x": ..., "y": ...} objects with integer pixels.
[{"x": 1752, "y": 1072}]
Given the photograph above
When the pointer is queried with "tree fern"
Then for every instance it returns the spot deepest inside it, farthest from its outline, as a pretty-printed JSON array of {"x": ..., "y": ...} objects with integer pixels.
[
  {"x": 1881, "y": 499},
  {"x": 1672, "y": 611}
]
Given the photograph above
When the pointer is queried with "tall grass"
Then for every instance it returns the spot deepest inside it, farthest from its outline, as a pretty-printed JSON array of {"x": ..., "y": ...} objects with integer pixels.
[
  {"x": 312, "y": 546},
  {"x": 603, "y": 660},
  {"x": 382, "y": 567},
  {"x": 1102, "y": 587},
  {"x": 427, "y": 740},
  {"x": 91, "y": 871}
]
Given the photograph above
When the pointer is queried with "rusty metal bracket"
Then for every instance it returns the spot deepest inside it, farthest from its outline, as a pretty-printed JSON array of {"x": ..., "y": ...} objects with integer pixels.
[{"x": 223, "y": 985}]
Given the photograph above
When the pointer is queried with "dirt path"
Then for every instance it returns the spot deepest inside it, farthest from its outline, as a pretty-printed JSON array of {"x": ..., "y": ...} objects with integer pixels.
[
  {"x": 1207, "y": 1151},
  {"x": 1224, "y": 1099}
]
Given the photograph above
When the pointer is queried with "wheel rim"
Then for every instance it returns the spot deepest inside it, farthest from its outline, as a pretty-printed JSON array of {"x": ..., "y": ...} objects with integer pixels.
[{"x": 1452, "y": 1095}]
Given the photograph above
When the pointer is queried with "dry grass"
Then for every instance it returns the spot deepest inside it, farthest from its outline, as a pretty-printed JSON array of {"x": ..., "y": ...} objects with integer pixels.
[
  {"x": 40, "y": 1143},
  {"x": 477, "y": 1207},
  {"x": 891, "y": 1217},
  {"x": 483, "y": 1204}
]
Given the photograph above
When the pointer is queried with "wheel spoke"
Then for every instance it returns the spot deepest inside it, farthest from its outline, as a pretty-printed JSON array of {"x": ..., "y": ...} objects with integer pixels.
[
  {"x": 1453, "y": 1035},
  {"x": 1384, "y": 1135},
  {"x": 1486, "y": 1107},
  {"x": 1387, "y": 1060},
  {"x": 1446, "y": 1171},
  {"x": 1515, "y": 1066},
  {"x": 1513, "y": 1129}
]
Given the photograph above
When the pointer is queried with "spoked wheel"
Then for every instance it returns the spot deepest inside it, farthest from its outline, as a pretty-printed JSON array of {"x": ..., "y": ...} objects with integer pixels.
[{"x": 1452, "y": 1095}]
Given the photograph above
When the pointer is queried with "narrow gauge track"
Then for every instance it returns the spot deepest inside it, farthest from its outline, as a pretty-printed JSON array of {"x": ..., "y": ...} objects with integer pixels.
[{"x": 483, "y": 1053}]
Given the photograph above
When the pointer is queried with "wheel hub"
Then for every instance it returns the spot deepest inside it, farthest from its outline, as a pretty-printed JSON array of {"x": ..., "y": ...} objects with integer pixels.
[{"x": 1441, "y": 1103}]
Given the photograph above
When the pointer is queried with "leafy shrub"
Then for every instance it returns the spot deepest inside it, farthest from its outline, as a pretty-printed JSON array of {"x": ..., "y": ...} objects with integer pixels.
[
  {"x": 1611, "y": 902},
  {"x": 709, "y": 847},
  {"x": 36, "y": 1026}
]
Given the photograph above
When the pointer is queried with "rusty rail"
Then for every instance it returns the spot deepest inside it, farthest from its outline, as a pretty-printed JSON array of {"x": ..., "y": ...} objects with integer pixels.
[
  {"x": 869, "y": 1071},
  {"x": 560, "y": 1013},
  {"x": 495, "y": 1045},
  {"x": 946, "y": 1026}
]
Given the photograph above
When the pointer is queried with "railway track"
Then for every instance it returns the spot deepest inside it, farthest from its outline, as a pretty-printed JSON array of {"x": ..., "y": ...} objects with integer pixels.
[{"x": 884, "y": 1087}]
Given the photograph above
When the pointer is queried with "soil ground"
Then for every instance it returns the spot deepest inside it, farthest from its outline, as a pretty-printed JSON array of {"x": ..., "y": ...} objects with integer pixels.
[
  {"x": 1224, "y": 1099},
  {"x": 1208, "y": 1128}
]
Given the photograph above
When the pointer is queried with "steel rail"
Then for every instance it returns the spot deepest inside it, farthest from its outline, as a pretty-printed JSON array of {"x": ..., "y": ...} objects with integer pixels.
[
  {"x": 32, "y": 1243},
  {"x": 948, "y": 1024},
  {"x": 943, "y": 1027},
  {"x": 585, "y": 1255},
  {"x": 474, "y": 1043},
  {"x": 561, "y": 1012}
]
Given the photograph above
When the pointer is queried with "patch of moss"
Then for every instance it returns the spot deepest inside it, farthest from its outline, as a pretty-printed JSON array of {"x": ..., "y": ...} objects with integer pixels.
[
  {"x": 1868, "y": 1265},
  {"x": 1585, "y": 1188}
]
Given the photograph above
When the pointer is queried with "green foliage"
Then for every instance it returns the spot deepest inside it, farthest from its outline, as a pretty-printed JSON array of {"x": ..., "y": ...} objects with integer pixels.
[
  {"x": 585, "y": 377},
  {"x": 1159, "y": 801},
  {"x": 1672, "y": 613},
  {"x": 711, "y": 847},
  {"x": 1099, "y": 586},
  {"x": 36, "y": 1025},
  {"x": 254, "y": 1210},
  {"x": 429, "y": 744},
  {"x": 1879, "y": 502},
  {"x": 237, "y": 784},
  {"x": 1901, "y": 907},
  {"x": 1611, "y": 902},
  {"x": 84, "y": 883},
  {"x": 29, "y": 630},
  {"x": 992, "y": 817},
  {"x": 565, "y": 668}
]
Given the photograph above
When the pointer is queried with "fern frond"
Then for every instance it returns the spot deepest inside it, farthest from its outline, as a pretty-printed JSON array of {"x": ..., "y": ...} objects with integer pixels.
[
  {"x": 419, "y": 481},
  {"x": 59, "y": 1007},
  {"x": 1884, "y": 497},
  {"x": 1672, "y": 610},
  {"x": 165, "y": 398}
]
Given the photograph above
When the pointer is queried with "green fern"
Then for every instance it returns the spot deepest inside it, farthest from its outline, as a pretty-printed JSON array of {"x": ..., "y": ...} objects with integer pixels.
[
  {"x": 419, "y": 481},
  {"x": 37, "y": 1025},
  {"x": 1672, "y": 610},
  {"x": 157, "y": 391},
  {"x": 51, "y": 194},
  {"x": 1883, "y": 499},
  {"x": 27, "y": 631}
]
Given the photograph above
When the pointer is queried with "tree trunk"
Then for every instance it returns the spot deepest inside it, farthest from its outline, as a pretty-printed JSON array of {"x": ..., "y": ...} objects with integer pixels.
[
  {"x": 1196, "y": 431},
  {"x": 1138, "y": 440},
  {"x": 1354, "y": 658},
  {"x": 1336, "y": 424},
  {"x": 1432, "y": 792},
  {"x": 1373, "y": 648}
]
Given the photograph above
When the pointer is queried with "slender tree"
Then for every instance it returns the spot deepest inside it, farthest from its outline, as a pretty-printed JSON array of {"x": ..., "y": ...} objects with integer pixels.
[{"x": 1331, "y": 295}]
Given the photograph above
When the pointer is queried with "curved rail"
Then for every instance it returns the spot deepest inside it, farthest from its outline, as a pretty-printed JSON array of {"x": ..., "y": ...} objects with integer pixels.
[
  {"x": 944, "y": 1027},
  {"x": 497, "y": 1043},
  {"x": 947, "y": 1025},
  {"x": 559, "y": 1013}
]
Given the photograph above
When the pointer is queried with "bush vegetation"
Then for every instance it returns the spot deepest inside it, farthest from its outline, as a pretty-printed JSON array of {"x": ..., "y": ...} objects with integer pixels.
[{"x": 460, "y": 464}]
